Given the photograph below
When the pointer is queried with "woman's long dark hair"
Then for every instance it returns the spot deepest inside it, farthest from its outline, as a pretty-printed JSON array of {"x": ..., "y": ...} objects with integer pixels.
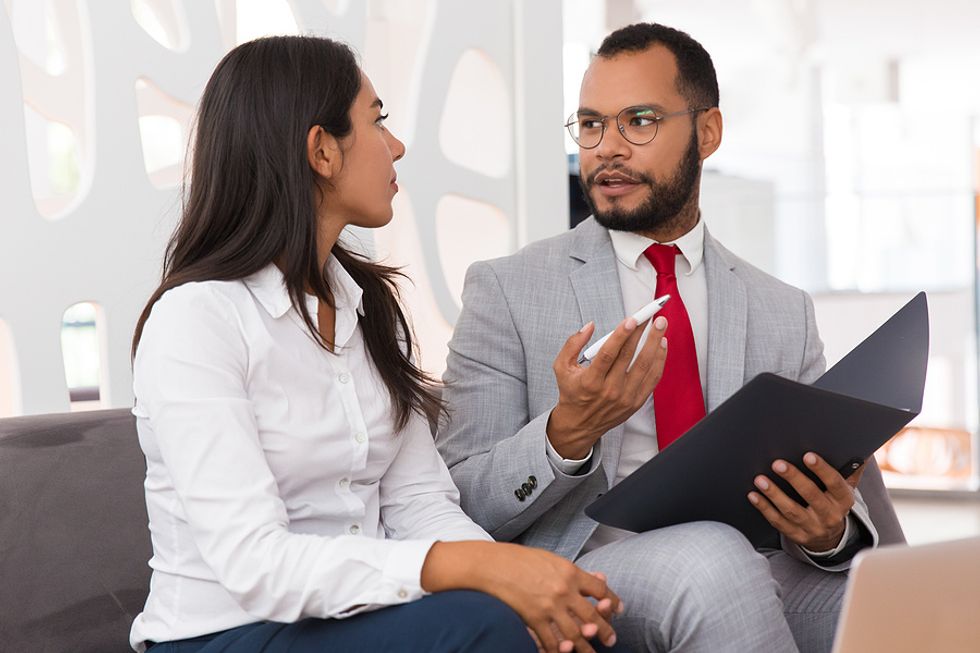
[{"x": 252, "y": 198}]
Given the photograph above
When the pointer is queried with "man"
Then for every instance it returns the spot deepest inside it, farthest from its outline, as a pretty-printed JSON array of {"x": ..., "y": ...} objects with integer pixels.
[{"x": 533, "y": 439}]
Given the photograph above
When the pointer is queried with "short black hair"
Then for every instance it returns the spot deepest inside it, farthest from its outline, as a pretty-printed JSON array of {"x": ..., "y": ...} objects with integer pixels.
[{"x": 696, "y": 78}]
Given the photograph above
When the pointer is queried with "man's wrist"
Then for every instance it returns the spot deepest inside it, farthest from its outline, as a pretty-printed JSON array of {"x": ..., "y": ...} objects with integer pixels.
[
  {"x": 828, "y": 550},
  {"x": 570, "y": 446}
]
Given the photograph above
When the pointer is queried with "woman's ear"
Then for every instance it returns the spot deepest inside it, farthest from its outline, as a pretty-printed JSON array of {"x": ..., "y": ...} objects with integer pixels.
[{"x": 323, "y": 152}]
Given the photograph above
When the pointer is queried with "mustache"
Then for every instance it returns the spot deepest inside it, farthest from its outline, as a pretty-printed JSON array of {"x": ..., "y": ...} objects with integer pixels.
[{"x": 629, "y": 172}]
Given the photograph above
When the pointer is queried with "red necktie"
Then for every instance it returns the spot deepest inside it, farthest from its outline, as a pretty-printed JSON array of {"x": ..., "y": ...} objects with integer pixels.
[{"x": 678, "y": 402}]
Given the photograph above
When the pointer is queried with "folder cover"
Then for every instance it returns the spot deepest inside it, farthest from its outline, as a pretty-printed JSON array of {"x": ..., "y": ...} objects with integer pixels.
[{"x": 844, "y": 416}]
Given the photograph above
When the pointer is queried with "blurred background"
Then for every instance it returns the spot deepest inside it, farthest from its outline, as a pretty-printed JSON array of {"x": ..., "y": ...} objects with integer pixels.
[{"x": 850, "y": 167}]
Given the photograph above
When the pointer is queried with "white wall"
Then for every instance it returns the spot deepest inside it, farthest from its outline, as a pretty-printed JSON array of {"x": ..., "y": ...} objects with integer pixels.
[
  {"x": 950, "y": 401},
  {"x": 438, "y": 65}
]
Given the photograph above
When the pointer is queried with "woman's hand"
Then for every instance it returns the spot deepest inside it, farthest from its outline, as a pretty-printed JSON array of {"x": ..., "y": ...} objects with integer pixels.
[
  {"x": 549, "y": 593},
  {"x": 604, "y": 607}
]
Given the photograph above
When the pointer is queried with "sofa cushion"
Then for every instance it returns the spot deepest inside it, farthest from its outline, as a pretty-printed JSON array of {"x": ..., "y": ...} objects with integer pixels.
[{"x": 74, "y": 543}]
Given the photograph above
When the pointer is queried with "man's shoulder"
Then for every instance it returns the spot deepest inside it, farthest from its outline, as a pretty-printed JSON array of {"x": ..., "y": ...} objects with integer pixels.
[{"x": 756, "y": 280}]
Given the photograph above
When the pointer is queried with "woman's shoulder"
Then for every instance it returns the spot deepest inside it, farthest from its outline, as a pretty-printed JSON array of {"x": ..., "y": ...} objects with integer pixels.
[
  {"x": 204, "y": 294},
  {"x": 195, "y": 302},
  {"x": 196, "y": 318}
]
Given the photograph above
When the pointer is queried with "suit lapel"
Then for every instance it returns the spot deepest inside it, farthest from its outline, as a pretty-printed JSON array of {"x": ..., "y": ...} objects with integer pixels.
[
  {"x": 727, "y": 319},
  {"x": 595, "y": 283}
]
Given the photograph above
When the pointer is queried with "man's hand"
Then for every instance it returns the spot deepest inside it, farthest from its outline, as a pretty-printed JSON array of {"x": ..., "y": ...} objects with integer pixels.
[
  {"x": 594, "y": 399},
  {"x": 820, "y": 525}
]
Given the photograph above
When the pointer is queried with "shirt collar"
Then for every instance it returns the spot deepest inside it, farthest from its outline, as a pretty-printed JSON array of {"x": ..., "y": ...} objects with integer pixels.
[
  {"x": 269, "y": 288},
  {"x": 629, "y": 246},
  {"x": 347, "y": 294}
]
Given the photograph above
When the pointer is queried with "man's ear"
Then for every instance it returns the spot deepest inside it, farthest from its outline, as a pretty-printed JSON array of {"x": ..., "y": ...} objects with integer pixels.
[
  {"x": 710, "y": 127},
  {"x": 323, "y": 152}
]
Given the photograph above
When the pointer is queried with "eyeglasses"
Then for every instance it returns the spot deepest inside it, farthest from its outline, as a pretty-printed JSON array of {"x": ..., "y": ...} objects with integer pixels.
[{"x": 638, "y": 125}]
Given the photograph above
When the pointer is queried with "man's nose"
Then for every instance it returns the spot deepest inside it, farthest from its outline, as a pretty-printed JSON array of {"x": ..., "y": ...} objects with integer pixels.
[{"x": 613, "y": 144}]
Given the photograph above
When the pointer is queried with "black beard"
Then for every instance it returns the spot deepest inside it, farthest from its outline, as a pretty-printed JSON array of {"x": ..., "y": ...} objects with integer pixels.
[{"x": 664, "y": 202}]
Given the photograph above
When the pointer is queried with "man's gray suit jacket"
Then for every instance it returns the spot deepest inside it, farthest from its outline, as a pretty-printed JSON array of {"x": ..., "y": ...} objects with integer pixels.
[{"x": 500, "y": 388}]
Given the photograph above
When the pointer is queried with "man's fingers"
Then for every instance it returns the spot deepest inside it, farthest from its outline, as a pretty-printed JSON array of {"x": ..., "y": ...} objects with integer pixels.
[
  {"x": 826, "y": 510},
  {"x": 774, "y": 517},
  {"x": 815, "y": 527},
  {"x": 649, "y": 363},
  {"x": 787, "y": 507},
  {"x": 831, "y": 478},
  {"x": 625, "y": 356},
  {"x": 806, "y": 488},
  {"x": 609, "y": 351},
  {"x": 570, "y": 351}
]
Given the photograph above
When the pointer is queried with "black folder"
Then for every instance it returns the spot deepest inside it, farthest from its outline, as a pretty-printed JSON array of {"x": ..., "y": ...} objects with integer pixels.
[{"x": 844, "y": 416}]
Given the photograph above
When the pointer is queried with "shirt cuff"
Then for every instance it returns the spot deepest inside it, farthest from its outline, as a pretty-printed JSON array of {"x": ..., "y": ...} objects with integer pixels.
[
  {"x": 401, "y": 575},
  {"x": 850, "y": 534},
  {"x": 567, "y": 466},
  {"x": 403, "y": 569}
]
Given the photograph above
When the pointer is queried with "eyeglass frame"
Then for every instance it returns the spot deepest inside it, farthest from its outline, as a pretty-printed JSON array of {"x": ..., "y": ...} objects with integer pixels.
[{"x": 573, "y": 119}]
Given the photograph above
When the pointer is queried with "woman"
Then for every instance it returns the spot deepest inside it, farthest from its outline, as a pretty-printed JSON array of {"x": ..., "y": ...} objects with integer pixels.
[{"x": 296, "y": 500}]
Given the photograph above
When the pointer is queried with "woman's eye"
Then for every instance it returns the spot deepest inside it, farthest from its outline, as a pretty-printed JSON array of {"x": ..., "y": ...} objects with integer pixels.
[{"x": 381, "y": 120}]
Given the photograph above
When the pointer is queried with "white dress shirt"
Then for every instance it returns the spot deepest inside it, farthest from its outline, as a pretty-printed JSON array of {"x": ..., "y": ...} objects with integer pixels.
[
  {"x": 276, "y": 487},
  {"x": 638, "y": 280}
]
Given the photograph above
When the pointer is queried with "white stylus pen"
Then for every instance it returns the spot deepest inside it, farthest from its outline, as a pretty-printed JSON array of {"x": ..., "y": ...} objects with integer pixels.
[{"x": 640, "y": 316}]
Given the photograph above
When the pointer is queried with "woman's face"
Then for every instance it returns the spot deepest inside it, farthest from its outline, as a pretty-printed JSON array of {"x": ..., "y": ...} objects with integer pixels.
[{"x": 360, "y": 193}]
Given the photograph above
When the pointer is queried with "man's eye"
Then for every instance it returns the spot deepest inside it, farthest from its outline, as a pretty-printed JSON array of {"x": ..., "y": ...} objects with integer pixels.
[
  {"x": 590, "y": 124},
  {"x": 643, "y": 121}
]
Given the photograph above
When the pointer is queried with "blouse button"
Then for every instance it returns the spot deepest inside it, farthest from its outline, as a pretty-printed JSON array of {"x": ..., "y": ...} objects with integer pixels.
[
  {"x": 402, "y": 594},
  {"x": 344, "y": 378},
  {"x": 354, "y": 529},
  {"x": 344, "y": 483},
  {"x": 360, "y": 437}
]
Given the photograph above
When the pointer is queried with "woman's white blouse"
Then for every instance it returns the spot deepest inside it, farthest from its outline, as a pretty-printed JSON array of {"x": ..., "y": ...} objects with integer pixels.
[{"x": 275, "y": 486}]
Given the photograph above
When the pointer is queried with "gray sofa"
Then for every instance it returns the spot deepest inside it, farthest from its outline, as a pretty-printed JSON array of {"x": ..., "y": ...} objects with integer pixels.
[
  {"x": 74, "y": 543},
  {"x": 73, "y": 532}
]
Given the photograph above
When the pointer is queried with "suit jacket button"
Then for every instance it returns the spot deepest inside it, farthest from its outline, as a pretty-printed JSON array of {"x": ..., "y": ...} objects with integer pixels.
[
  {"x": 533, "y": 481},
  {"x": 527, "y": 489},
  {"x": 519, "y": 493}
]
